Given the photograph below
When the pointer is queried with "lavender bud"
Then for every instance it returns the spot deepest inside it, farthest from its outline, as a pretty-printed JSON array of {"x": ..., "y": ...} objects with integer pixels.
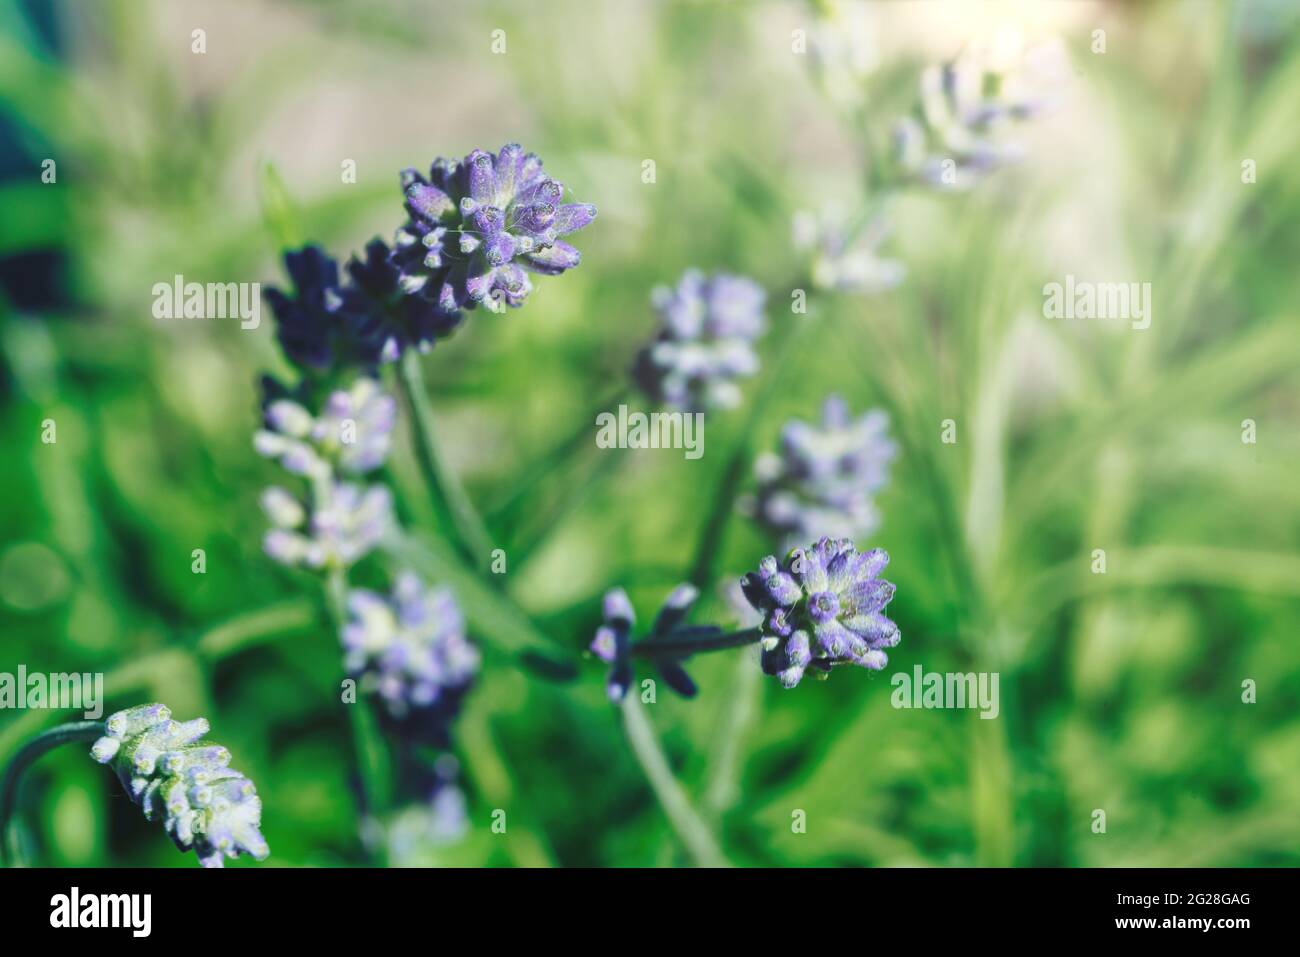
[
  {"x": 507, "y": 216},
  {"x": 160, "y": 762},
  {"x": 706, "y": 340},
  {"x": 413, "y": 643},
  {"x": 835, "y": 614},
  {"x": 826, "y": 476}
]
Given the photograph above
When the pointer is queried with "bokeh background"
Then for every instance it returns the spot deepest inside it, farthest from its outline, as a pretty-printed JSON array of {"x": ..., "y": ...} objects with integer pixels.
[{"x": 1120, "y": 692}]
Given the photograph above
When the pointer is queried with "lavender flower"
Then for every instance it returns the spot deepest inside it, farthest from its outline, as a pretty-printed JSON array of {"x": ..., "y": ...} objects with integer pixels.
[
  {"x": 413, "y": 642},
  {"x": 324, "y": 324},
  {"x": 205, "y": 805},
  {"x": 436, "y": 817},
  {"x": 399, "y": 318},
  {"x": 823, "y": 606},
  {"x": 418, "y": 831},
  {"x": 842, "y": 262},
  {"x": 965, "y": 107},
  {"x": 476, "y": 228},
  {"x": 613, "y": 642},
  {"x": 824, "y": 480},
  {"x": 352, "y": 433},
  {"x": 341, "y": 525},
  {"x": 706, "y": 341}
]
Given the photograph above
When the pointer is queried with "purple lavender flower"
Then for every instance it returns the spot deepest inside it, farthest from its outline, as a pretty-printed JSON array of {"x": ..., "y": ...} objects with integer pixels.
[
  {"x": 324, "y": 324},
  {"x": 400, "y": 318},
  {"x": 706, "y": 341},
  {"x": 842, "y": 261},
  {"x": 613, "y": 641},
  {"x": 823, "y": 606},
  {"x": 341, "y": 524},
  {"x": 352, "y": 434},
  {"x": 967, "y": 104},
  {"x": 476, "y": 228},
  {"x": 825, "y": 479},
  {"x": 205, "y": 805},
  {"x": 413, "y": 643},
  {"x": 436, "y": 817}
]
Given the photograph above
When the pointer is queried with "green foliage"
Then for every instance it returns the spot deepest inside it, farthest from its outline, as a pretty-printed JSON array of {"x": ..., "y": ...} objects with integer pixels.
[{"x": 1120, "y": 692}]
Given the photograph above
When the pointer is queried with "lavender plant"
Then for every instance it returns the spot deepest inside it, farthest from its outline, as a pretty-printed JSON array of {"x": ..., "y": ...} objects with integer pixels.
[
  {"x": 826, "y": 476},
  {"x": 823, "y": 606},
  {"x": 966, "y": 107},
  {"x": 204, "y": 804},
  {"x": 708, "y": 328},
  {"x": 473, "y": 231},
  {"x": 842, "y": 263},
  {"x": 477, "y": 227},
  {"x": 412, "y": 645}
]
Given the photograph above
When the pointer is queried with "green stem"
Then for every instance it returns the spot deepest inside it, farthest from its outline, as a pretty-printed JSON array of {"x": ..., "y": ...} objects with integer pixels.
[
  {"x": 689, "y": 826},
  {"x": 373, "y": 763},
  {"x": 449, "y": 497},
  {"x": 26, "y": 755},
  {"x": 741, "y": 709}
]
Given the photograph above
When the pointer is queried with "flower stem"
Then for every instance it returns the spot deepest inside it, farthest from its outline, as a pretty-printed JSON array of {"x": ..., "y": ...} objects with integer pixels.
[
  {"x": 681, "y": 643},
  {"x": 449, "y": 497},
  {"x": 26, "y": 755},
  {"x": 373, "y": 765},
  {"x": 690, "y": 828},
  {"x": 740, "y": 712}
]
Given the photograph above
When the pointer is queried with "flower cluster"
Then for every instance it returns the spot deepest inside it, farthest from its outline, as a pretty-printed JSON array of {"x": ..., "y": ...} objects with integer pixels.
[
  {"x": 352, "y": 434},
  {"x": 474, "y": 230},
  {"x": 435, "y": 817},
  {"x": 823, "y": 606},
  {"x": 336, "y": 527},
  {"x": 320, "y": 323},
  {"x": 965, "y": 107},
  {"x": 205, "y": 805},
  {"x": 477, "y": 227},
  {"x": 825, "y": 479},
  {"x": 336, "y": 522},
  {"x": 706, "y": 341},
  {"x": 413, "y": 643},
  {"x": 843, "y": 262},
  {"x": 613, "y": 641}
]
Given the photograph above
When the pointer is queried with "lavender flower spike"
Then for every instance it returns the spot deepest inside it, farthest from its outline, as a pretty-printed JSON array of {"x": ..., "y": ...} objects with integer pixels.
[
  {"x": 965, "y": 107},
  {"x": 324, "y": 323},
  {"x": 843, "y": 261},
  {"x": 823, "y": 606},
  {"x": 824, "y": 480},
  {"x": 413, "y": 643},
  {"x": 343, "y": 524},
  {"x": 352, "y": 433},
  {"x": 706, "y": 341},
  {"x": 205, "y": 805},
  {"x": 477, "y": 227}
]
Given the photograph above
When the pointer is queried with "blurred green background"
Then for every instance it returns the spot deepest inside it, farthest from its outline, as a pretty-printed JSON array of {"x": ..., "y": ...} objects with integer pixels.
[{"x": 1120, "y": 692}]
